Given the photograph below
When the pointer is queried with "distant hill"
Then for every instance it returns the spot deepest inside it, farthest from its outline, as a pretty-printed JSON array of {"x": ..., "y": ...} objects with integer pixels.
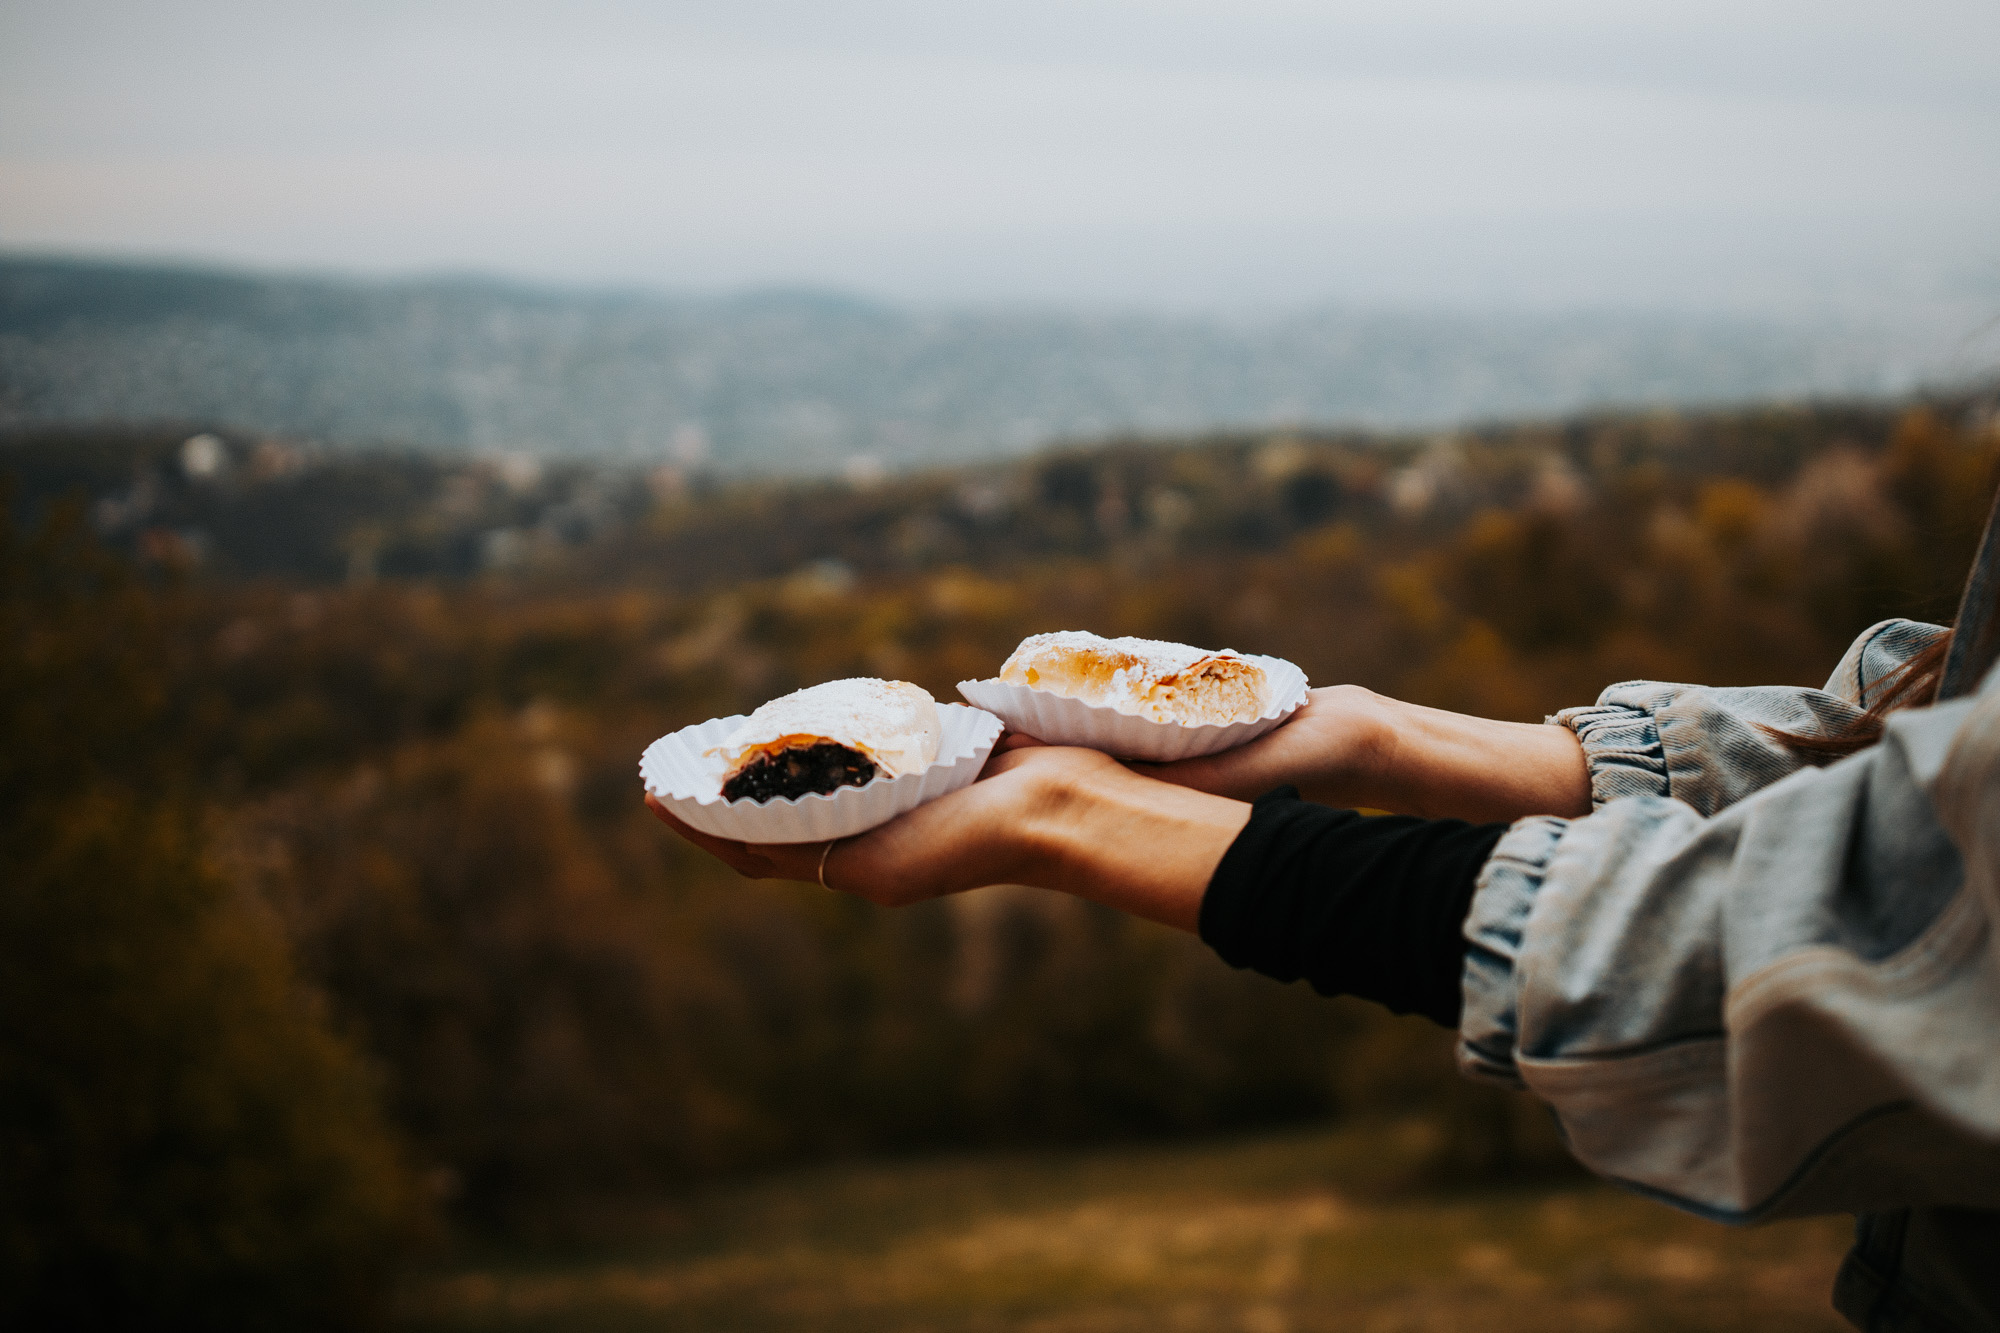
[
  {"x": 238, "y": 506},
  {"x": 806, "y": 382}
]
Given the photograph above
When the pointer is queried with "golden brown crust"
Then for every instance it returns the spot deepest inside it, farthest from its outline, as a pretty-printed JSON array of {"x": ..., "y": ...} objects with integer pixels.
[
  {"x": 894, "y": 723},
  {"x": 1170, "y": 682}
]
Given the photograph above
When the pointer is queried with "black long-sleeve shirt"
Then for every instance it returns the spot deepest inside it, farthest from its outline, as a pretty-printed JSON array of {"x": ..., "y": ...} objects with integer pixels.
[{"x": 1362, "y": 905}]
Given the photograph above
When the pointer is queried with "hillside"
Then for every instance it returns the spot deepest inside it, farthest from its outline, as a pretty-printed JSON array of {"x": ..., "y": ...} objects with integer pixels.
[
  {"x": 378, "y": 715},
  {"x": 796, "y": 382},
  {"x": 1315, "y": 1232},
  {"x": 233, "y": 505}
]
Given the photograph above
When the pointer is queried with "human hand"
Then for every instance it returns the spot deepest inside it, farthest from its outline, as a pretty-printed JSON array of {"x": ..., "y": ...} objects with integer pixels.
[
  {"x": 978, "y": 835},
  {"x": 1329, "y": 749},
  {"x": 1352, "y": 747}
]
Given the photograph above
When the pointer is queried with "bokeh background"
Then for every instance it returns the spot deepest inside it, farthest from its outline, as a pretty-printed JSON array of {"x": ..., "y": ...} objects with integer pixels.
[{"x": 407, "y": 412}]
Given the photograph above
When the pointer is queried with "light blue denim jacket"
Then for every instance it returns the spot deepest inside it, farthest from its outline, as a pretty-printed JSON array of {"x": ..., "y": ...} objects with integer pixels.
[{"x": 1754, "y": 988}]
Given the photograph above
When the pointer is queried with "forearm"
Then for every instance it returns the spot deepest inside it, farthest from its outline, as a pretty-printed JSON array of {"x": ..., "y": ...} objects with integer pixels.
[
  {"x": 1351, "y": 904},
  {"x": 1144, "y": 847},
  {"x": 1354, "y": 749},
  {"x": 1440, "y": 764}
]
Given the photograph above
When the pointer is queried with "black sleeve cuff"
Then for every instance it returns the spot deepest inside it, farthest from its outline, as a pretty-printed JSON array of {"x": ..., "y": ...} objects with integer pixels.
[{"x": 1362, "y": 905}]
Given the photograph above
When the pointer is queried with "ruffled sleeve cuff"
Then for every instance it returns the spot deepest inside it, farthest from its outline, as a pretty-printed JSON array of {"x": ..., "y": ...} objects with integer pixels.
[
  {"x": 1621, "y": 746},
  {"x": 1489, "y": 1022},
  {"x": 1876, "y": 656}
]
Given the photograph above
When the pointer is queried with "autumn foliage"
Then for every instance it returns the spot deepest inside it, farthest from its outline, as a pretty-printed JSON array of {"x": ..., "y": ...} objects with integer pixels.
[{"x": 323, "y": 898}]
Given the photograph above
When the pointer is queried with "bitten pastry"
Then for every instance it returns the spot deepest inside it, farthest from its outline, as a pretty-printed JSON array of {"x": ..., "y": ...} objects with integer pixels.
[
  {"x": 1165, "y": 682},
  {"x": 820, "y": 739}
]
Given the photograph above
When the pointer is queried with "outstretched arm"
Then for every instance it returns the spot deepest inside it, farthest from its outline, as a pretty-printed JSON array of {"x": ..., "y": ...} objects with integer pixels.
[
  {"x": 1079, "y": 822},
  {"x": 1352, "y": 748},
  {"x": 1369, "y": 907},
  {"x": 1048, "y": 816}
]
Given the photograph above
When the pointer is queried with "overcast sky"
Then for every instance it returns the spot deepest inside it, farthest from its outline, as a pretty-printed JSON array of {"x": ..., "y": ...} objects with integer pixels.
[{"x": 1180, "y": 153}]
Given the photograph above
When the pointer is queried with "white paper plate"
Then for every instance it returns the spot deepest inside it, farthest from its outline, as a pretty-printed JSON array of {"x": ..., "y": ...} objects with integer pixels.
[
  {"x": 686, "y": 779},
  {"x": 1061, "y": 721}
]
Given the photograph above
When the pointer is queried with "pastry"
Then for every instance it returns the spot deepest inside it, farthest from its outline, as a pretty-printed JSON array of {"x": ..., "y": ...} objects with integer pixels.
[
  {"x": 840, "y": 734},
  {"x": 1163, "y": 682}
]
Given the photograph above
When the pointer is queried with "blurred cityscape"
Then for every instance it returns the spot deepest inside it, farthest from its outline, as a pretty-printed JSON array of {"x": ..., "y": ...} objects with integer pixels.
[{"x": 797, "y": 382}]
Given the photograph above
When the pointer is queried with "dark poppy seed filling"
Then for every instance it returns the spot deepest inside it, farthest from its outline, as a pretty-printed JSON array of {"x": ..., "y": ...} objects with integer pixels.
[{"x": 799, "y": 771}]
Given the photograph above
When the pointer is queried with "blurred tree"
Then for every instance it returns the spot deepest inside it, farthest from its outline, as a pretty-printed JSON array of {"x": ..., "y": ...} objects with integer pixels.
[
  {"x": 550, "y": 1044},
  {"x": 431, "y": 780},
  {"x": 185, "y": 1140}
]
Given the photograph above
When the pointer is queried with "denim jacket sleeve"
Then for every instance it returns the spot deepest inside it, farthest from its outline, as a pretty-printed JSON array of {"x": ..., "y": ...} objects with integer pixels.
[
  {"x": 1709, "y": 748},
  {"x": 1788, "y": 1006}
]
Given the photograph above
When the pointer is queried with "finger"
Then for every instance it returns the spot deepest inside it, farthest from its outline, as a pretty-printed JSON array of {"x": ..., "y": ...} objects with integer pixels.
[
  {"x": 1228, "y": 774},
  {"x": 1185, "y": 772},
  {"x": 919, "y": 854},
  {"x": 793, "y": 860},
  {"x": 1013, "y": 747},
  {"x": 739, "y": 856},
  {"x": 1038, "y": 753},
  {"x": 671, "y": 820}
]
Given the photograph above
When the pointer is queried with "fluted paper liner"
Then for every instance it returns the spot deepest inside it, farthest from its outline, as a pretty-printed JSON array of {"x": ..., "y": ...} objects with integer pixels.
[
  {"x": 680, "y": 773},
  {"x": 1063, "y": 721}
]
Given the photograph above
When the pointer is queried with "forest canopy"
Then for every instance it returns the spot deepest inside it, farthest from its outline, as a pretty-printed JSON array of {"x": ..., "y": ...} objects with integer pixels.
[{"x": 331, "y": 907}]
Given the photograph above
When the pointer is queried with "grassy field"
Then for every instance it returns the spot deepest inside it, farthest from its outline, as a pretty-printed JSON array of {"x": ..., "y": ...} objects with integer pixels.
[{"x": 1278, "y": 1234}]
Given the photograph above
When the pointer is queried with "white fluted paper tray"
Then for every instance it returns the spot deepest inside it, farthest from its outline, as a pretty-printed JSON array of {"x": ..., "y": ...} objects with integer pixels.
[
  {"x": 1062, "y": 721},
  {"x": 678, "y": 770}
]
